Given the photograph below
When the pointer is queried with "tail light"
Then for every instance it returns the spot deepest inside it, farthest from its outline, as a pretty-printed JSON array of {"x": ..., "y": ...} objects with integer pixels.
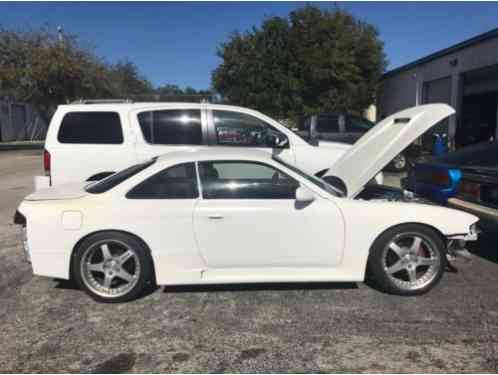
[
  {"x": 470, "y": 189},
  {"x": 46, "y": 162},
  {"x": 441, "y": 178}
]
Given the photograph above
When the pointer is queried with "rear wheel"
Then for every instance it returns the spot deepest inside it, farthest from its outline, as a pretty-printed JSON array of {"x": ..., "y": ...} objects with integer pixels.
[
  {"x": 112, "y": 267},
  {"x": 407, "y": 260}
]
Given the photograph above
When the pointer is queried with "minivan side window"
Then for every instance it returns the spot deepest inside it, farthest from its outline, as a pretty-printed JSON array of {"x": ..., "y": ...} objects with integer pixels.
[
  {"x": 91, "y": 128},
  {"x": 177, "y": 182},
  {"x": 240, "y": 129},
  {"x": 171, "y": 127},
  {"x": 244, "y": 180},
  {"x": 328, "y": 123}
]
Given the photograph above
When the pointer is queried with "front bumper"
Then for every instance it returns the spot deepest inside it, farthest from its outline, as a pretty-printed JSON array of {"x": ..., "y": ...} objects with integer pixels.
[{"x": 488, "y": 215}]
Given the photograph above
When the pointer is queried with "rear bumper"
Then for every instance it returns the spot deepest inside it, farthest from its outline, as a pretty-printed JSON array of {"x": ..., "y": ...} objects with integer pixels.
[{"x": 41, "y": 182}]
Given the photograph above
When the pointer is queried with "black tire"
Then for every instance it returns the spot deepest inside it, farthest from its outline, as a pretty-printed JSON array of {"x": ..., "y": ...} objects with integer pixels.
[
  {"x": 377, "y": 273},
  {"x": 141, "y": 282}
]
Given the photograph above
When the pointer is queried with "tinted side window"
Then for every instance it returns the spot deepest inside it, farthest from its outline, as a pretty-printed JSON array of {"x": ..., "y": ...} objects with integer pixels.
[
  {"x": 178, "y": 182},
  {"x": 244, "y": 180},
  {"x": 239, "y": 129},
  {"x": 115, "y": 179},
  {"x": 358, "y": 124},
  {"x": 328, "y": 123},
  {"x": 172, "y": 127},
  {"x": 91, "y": 127}
]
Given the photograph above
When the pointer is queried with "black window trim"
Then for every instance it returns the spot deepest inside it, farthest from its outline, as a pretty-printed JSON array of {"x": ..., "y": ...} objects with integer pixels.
[
  {"x": 204, "y": 126},
  {"x": 199, "y": 191},
  {"x": 199, "y": 181},
  {"x": 211, "y": 128},
  {"x": 123, "y": 133}
]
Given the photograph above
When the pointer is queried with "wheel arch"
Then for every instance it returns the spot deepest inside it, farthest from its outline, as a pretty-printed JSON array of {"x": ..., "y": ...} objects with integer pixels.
[
  {"x": 425, "y": 225},
  {"x": 138, "y": 238}
]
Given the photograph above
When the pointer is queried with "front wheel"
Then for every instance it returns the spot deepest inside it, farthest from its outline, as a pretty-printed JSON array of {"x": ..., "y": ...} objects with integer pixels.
[
  {"x": 407, "y": 260},
  {"x": 112, "y": 267}
]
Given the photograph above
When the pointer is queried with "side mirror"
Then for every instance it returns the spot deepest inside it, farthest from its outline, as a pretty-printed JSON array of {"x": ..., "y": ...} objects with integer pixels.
[
  {"x": 304, "y": 195},
  {"x": 276, "y": 141}
]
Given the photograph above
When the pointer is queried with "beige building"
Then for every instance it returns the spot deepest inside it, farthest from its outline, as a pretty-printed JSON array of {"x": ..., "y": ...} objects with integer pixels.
[{"x": 464, "y": 75}]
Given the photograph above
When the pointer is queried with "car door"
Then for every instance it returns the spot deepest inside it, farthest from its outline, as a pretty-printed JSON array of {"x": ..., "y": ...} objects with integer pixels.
[
  {"x": 231, "y": 128},
  {"x": 163, "y": 130},
  {"x": 249, "y": 227}
]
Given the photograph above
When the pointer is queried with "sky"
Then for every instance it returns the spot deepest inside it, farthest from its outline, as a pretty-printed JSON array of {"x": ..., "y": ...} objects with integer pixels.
[{"x": 176, "y": 43}]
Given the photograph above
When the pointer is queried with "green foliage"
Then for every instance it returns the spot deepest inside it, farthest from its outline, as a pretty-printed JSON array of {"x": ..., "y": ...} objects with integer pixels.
[
  {"x": 39, "y": 68},
  {"x": 314, "y": 60}
]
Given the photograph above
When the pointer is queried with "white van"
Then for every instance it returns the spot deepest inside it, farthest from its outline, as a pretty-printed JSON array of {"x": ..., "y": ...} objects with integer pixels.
[{"x": 90, "y": 141}]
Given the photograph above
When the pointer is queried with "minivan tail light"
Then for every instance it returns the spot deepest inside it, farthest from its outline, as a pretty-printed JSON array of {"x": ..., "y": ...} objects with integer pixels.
[{"x": 46, "y": 162}]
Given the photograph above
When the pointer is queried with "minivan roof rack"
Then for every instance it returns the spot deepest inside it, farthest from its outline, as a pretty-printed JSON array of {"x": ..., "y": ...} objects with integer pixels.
[{"x": 102, "y": 101}]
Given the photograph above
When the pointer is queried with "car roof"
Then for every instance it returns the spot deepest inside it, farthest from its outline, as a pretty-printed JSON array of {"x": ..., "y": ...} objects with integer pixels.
[
  {"x": 142, "y": 105},
  {"x": 214, "y": 153}
]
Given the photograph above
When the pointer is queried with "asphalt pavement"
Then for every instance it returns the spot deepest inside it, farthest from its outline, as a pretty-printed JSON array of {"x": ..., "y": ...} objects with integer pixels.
[{"x": 50, "y": 326}]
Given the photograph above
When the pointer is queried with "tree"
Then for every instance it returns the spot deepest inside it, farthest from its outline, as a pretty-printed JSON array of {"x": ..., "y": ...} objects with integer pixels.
[
  {"x": 313, "y": 60},
  {"x": 126, "y": 80},
  {"x": 40, "y": 68}
]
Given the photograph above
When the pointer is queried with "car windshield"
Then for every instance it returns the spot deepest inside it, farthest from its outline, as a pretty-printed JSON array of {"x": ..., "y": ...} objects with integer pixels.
[
  {"x": 360, "y": 124},
  {"x": 314, "y": 180},
  {"x": 115, "y": 179}
]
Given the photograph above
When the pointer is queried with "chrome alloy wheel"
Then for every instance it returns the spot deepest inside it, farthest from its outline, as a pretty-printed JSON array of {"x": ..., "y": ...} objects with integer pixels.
[
  {"x": 411, "y": 261},
  {"x": 110, "y": 268}
]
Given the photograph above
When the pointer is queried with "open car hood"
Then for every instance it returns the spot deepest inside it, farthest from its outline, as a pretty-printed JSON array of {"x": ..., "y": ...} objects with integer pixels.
[{"x": 377, "y": 147}]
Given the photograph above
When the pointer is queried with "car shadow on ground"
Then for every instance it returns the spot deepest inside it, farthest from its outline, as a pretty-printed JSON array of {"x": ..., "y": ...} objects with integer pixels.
[
  {"x": 257, "y": 287},
  {"x": 71, "y": 285}
]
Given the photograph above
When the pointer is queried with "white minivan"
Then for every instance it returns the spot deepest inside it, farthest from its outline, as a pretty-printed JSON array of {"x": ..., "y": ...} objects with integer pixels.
[{"x": 89, "y": 141}]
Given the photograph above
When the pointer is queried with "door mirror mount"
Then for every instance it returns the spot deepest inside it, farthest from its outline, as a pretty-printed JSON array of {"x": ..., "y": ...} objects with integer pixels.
[
  {"x": 304, "y": 195},
  {"x": 278, "y": 141}
]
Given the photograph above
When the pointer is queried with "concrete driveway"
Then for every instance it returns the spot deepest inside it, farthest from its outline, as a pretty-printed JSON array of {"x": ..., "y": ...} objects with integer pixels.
[{"x": 49, "y": 326}]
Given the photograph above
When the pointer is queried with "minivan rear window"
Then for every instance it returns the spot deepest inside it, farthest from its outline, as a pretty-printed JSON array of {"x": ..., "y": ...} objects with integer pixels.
[
  {"x": 91, "y": 128},
  {"x": 115, "y": 179}
]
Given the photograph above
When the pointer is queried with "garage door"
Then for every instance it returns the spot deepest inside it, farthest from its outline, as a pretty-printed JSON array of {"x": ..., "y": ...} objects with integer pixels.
[{"x": 437, "y": 91}]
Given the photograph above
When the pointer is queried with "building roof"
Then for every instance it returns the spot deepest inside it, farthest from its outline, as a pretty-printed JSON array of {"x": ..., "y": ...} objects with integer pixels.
[{"x": 466, "y": 43}]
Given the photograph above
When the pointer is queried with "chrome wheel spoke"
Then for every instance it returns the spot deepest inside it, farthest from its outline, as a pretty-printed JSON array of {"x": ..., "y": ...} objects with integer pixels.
[
  {"x": 396, "y": 267},
  {"x": 106, "y": 253},
  {"x": 422, "y": 261},
  {"x": 412, "y": 274},
  {"x": 96, "y": 267},
  {"x": 108, "y": 280},
  {"x": 125, "y": 275},
  {"x": 416, "y": 244},
  {"x": 397, "y": 249},
  {"x": 125, "y": 256}
]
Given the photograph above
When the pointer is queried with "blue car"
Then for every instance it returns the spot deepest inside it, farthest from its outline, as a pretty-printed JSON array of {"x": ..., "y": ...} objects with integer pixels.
[{"x": 466, "y": 179}]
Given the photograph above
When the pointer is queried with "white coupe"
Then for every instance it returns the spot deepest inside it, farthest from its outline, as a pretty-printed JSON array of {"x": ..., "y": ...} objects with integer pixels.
[{"x": 230, "y": 216}]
